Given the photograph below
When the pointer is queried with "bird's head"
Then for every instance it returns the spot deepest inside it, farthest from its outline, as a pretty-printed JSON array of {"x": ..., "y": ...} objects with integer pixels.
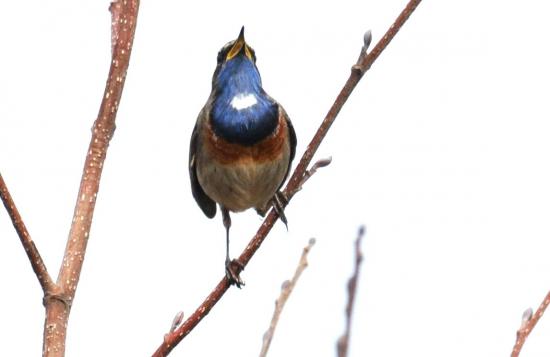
[
  {"x": 241, "y": 111},
  {"x": 235, "y": 59}
]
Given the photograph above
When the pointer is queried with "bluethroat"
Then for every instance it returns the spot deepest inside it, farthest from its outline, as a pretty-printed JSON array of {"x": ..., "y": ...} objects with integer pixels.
[{"x": 242, "y": 145}]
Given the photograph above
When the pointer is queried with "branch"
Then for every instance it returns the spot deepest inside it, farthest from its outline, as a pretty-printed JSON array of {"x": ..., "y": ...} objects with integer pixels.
[
  {"x": 358, "y": 70},
  {"x": 37, "y": 263},
  {"x": 528, "y": 323},
  {"x": 343, "y": 341},
  {"x": 286, "y": 289},
  {"x": 124, "y": 15},
  {"x": 58, "y": 305}
]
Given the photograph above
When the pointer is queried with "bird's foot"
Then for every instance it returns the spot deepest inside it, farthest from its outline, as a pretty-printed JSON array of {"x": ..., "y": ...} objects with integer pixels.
[
  {"x": 279, "y": 202},
  {"x": 233, "y": 269}
]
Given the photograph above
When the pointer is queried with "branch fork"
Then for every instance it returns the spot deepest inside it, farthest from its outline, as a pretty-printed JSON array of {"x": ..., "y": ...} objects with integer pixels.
[{"x": 58, "y": 296}]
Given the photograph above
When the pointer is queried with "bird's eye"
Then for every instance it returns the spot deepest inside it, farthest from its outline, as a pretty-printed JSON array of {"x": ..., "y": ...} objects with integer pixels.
[
  {"x": 253, "y": 54},
  {"x": 220, "y": 56}
]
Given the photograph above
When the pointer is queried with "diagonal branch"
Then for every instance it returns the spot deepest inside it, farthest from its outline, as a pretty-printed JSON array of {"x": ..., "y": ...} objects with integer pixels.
[
  {"x": 37, "y": 263},
  {"x": 286, "y": 289},
  {"x": 358, "y": 70},
  {"x": 343, "y": 341},
  {"x": 528, "y": 323},
  {"x": 58, "y": 305}
]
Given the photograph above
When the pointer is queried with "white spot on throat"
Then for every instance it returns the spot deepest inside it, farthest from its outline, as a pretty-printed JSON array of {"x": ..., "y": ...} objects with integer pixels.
[{"x": 243, "y": 100}]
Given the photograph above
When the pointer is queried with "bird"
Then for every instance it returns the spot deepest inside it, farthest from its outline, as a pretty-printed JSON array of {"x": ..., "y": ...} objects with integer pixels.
[{"x": 242, "y": 145}]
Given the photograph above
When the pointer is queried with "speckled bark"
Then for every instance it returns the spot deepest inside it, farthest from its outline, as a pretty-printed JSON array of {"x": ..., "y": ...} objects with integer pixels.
[
  {"x": 58, "y": 301},
  {"x": 55, "y": 328}
]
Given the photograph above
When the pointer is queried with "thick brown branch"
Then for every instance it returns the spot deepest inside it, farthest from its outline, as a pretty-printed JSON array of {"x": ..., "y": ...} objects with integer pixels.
[
  {"x": 528, "y": 324},
  {"x": 286, "y": 289},
  {"x": 358, "y": 70},
  {"x": 343, "y": 341},
  {"x": 124, "y": 17},
  {"x": 37, "y": 263}
]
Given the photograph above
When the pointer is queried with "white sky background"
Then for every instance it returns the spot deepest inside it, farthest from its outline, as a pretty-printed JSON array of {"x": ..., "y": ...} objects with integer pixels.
[{"x": 441, "y": 151}]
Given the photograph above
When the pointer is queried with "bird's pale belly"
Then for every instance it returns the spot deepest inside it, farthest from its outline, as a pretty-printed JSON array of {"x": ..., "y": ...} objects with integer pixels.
[{"x": 244, "y": 184}]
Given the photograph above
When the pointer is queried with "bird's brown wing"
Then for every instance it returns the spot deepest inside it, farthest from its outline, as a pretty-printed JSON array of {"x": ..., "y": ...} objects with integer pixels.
[
  {"x": 207, "y": 205},
  {"x": 292, "y": 141}
]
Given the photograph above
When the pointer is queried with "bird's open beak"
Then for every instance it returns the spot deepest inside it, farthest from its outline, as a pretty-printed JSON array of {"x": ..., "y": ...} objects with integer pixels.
[{"x": 238, "y": 47}]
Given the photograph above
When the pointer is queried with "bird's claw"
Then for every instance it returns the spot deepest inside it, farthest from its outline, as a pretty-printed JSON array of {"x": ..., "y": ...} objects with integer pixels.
[
  {"x": 279, "y": 202},
  {"x": 233, "y": 269}
]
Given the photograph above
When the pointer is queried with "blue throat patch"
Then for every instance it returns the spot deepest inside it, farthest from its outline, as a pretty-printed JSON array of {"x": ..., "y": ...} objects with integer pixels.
[{"x": 242, "y": 113}]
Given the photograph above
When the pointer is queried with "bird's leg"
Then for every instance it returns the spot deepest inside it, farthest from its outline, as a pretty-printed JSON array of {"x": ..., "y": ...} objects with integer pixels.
[{"x": 232, "y": 268}]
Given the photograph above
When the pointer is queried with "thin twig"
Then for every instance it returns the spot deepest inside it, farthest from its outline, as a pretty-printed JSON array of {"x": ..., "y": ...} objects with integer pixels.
[
  {"x": 176, "y": 321},
  {"x": 124, "y": 17},
  {"x": 528, "y": 323},
  {"x": 343, "y": 341},
  {"x": 286, "y": 289},
  {"x": 317, "y": 165},
  {"x": 358, "y": 70},
  {"x": 37, "y": 263}
]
